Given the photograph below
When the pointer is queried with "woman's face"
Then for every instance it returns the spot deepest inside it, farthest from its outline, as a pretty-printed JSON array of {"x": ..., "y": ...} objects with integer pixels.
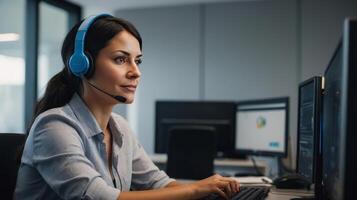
[{"x": 117, "y": 67}]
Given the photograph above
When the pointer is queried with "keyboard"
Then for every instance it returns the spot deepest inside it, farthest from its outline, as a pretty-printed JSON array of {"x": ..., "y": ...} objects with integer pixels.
[{"x": 245, "y": 193}]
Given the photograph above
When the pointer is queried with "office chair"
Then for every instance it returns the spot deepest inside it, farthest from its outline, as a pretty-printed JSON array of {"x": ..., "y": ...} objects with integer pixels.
[
  {"x": 10, "y": 148},
  {"x": 191, "y": 152}
]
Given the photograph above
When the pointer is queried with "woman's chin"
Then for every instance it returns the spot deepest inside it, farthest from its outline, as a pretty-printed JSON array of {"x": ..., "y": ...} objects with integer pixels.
[{"x": 129, "y": 100}]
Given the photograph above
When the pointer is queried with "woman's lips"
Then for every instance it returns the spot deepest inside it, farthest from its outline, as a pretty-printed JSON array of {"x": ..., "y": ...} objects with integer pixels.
[{"x": 130, "y": 88}]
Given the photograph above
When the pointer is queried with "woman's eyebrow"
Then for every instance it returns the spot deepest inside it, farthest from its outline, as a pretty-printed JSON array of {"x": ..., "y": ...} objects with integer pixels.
[{"x": 126, "y": 53}]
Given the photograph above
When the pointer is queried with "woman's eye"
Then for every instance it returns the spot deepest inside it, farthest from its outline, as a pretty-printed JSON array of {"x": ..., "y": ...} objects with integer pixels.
[
  {"x": 139, "y": 61},
  {"x": 120, "y": 60}
]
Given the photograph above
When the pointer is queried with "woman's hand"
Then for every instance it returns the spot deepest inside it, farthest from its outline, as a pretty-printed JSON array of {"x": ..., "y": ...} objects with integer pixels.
[
  {"x": 222, "y": 186},
  {"x": 218, "y": 184}
]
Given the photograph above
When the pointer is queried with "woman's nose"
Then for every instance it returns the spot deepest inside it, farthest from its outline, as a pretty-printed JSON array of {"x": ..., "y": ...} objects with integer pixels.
[{"x": 134, "y": 71}]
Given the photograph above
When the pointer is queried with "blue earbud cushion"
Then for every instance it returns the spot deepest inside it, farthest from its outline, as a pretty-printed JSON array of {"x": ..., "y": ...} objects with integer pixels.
[{"x": 79, "y": 64}]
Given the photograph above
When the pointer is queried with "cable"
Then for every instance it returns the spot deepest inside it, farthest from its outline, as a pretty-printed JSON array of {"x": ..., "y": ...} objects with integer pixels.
[{"x": 259, "y": 173}]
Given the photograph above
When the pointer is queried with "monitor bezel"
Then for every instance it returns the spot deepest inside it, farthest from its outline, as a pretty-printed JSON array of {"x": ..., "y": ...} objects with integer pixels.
[
  {"x": 323, "y": 135},
  {"x": 348, "y": 153},
  {"x": 260, "y": 152}
]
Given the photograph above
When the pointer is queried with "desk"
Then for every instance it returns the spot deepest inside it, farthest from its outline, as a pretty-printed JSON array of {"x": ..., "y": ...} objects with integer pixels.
[
  {"x": 287, "y": 194},
  {"x": 224, "y": 166}
]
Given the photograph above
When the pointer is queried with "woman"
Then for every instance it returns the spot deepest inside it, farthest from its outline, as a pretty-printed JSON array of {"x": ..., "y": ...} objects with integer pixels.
[{"x": 76, "y": 147}]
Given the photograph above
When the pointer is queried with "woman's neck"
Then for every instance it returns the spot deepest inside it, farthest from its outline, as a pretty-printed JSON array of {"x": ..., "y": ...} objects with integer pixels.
[{"x": 100, "y": 110}]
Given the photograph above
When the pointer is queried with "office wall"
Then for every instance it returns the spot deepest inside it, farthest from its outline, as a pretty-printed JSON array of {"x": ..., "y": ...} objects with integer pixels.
[
  {"x": 232, "y": 51},
  {"x": 170, "y": 68},
  {"x": 251, "y": 52},
  {"x": 321, "y": 30},
  {"x": 252, "y": 46}
]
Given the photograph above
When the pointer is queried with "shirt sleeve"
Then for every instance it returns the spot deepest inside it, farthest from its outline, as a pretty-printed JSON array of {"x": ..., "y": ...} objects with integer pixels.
[
  {"x": 58, "y": 155},
  {"x": 146, "y": 175}
]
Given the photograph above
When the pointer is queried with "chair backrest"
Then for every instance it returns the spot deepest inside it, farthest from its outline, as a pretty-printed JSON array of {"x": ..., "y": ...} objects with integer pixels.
[
  {"x": 191, "y": 152},
  {"x": 10, "y": 149}
]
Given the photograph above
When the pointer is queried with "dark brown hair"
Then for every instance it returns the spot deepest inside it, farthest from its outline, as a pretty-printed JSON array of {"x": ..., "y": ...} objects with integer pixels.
[{"x": 64, "y": 84}]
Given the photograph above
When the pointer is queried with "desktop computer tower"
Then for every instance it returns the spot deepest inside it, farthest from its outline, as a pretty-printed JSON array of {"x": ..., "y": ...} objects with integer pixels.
[{"x": 309, "y": 154}]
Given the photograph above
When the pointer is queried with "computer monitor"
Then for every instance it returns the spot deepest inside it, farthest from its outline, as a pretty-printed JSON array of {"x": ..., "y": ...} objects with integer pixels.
[
  {"x": 339, "y": 138},
  {"x": 308, "y": 158},
  {"x": 262, "y": 127},
  {"x": 219, "y": 115}
]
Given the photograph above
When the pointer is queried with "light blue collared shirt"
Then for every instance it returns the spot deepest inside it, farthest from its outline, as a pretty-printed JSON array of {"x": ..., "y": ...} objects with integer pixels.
[{"x": 65, "y": 158}]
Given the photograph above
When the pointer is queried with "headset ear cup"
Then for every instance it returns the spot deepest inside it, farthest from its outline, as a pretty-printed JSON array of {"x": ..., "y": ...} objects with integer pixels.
[
  {"x": 91, "y": 67},
  {"x": 78, "y": 64}
]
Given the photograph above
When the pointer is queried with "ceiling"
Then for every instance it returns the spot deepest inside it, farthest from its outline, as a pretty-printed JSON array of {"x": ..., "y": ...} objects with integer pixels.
[{"x": 112, "y": 5}]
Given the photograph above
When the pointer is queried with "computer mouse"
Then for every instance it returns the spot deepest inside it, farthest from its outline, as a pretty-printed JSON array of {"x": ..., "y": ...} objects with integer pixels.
[{"x": 292, "y": 181}]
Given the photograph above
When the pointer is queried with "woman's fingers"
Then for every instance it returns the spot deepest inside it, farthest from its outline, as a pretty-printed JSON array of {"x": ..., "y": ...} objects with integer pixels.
[
  {"x": 221, "y": 193},
  {"x": 225, "y": 185},
  {"x": 232, "y": 186},
  {"x": 227, "y": 189},
  {"x": 233, "y": 183}
]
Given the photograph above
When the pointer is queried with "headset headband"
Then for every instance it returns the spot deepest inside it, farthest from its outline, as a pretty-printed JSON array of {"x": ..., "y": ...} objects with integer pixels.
[
  {"x": 79, "y": 63},
  {"x": 82, "y": 31}
]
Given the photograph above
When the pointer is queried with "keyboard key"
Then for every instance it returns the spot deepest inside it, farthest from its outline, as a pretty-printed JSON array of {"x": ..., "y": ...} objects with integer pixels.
[{"x": 245, "y": 193}]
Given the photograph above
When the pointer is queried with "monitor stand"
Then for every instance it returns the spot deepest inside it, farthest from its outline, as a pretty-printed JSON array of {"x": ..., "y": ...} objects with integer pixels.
[
  {"x": 257, "y": 172},
  {"x": 275, "y": 162},
  {"x": 281, "y": 169}
]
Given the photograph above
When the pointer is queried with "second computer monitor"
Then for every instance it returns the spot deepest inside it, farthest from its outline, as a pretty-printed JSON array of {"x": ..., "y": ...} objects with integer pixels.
[
  {"x": 218, "y": 115},
  {"x": 262, "y": 127}
]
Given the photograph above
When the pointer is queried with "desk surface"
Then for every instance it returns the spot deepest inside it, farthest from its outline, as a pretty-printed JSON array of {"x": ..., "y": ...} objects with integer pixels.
[{"x": 224, "y": 162}]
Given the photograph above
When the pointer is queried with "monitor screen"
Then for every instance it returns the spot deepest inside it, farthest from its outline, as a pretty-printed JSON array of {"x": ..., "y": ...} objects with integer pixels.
[
  {"x": 219, "y": 115},
  {"x": 263, "y": 119},
  {"x": 339, "y": 137},
  {"x": 308, "y": 138}
]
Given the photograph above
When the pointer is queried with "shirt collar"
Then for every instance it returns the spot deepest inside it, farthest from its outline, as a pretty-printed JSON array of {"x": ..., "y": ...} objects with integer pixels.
[
  {"x": 85, "y": 116},
  {"x": 116, "y": 131}
]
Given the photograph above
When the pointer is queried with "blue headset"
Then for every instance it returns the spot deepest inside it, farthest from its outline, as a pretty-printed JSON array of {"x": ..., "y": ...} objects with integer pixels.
[{"x": 79, "y": 63}]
